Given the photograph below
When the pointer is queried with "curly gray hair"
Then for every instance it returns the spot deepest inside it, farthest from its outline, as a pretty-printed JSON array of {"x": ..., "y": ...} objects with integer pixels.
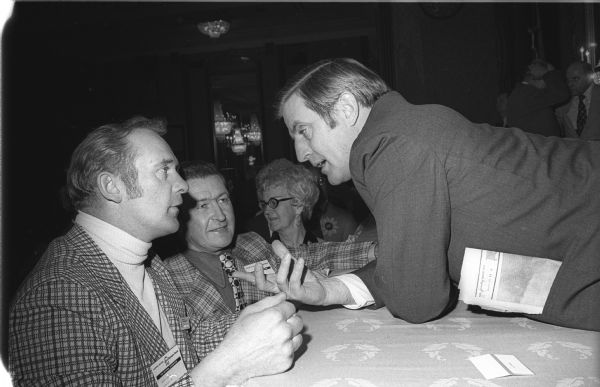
[{"x": 298, "y": 180}]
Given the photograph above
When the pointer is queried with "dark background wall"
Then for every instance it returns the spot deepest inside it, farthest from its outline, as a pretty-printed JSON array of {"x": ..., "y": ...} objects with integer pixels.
[{"x": 69, "y": 67}]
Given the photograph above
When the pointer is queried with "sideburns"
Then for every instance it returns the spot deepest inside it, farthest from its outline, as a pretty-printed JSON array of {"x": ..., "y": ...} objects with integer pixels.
[{"x": 132, "y": 187}]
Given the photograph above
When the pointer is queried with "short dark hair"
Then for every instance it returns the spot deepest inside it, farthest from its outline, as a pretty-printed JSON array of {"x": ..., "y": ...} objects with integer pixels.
[
  {"x": 193, "y": 169},
  {"x": 106, "y": 149},
  {"x": 321, "y": 84},
  {"x": 199, "y": 169}
]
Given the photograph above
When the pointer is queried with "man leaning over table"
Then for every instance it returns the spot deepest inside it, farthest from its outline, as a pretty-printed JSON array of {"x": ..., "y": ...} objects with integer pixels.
[
  {"x": 437, "y": 184},
  {"x": 101, "y": 309},
  {"x": 202, "y": 272}
]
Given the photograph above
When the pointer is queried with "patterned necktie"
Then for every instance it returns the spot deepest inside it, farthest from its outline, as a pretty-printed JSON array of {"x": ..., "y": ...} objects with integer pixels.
[
  {"x": 228, "y": 266},
  {"x": 581, "y": 115}
]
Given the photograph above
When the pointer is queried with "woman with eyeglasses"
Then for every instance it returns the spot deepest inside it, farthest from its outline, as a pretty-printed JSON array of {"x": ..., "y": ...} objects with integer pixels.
[{"x": 287, "y": 194}]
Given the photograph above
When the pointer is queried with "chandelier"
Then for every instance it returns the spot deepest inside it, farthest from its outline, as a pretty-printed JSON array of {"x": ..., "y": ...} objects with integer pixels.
[
  {"x": 214, "y": 28},
  {"x": 236, "y": 137}
]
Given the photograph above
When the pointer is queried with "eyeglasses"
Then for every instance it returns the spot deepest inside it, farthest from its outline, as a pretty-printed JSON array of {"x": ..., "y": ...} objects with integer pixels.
[{"x": 272, "y": 203}]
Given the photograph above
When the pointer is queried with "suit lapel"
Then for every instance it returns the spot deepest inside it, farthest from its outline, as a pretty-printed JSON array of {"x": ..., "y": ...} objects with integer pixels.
[
  {"x": 173, "y": 306},
  {"x": 201, "y": 287},
  {"x": 109, "y": 281}
]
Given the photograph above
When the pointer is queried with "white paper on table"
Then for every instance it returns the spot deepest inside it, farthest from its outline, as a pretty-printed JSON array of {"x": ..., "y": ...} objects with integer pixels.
[
  {"x": 497, "y": 366},
  {"x": 506, "y": 282}
]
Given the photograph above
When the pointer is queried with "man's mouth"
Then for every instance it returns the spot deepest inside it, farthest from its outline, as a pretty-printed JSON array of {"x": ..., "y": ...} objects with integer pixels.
[{"x": 219, "y": 229}]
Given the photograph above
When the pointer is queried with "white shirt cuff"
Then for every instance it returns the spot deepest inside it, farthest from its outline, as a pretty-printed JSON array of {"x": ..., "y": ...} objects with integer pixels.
[{"x": 358, "y": 290}]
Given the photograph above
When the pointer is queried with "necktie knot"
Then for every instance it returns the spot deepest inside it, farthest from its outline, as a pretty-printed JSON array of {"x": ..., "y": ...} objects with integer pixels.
[{"x": 227, "y": 263}]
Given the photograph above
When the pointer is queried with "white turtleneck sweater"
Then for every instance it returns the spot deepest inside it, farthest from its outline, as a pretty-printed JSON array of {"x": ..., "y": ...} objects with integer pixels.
[{"x": 128, "y": 254}]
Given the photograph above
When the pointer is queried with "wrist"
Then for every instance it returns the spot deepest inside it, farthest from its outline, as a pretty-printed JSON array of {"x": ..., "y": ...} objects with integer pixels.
[
  {"x": 372, "y": 254},
  {"x": 336, "y": 292},
  {"x": 216, "y": 370}
]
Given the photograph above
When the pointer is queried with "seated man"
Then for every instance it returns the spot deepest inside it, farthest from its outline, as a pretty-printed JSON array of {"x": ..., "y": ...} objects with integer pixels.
[
  {"x": 99, "y": 309},
  {"x": 203, "y": 272}
]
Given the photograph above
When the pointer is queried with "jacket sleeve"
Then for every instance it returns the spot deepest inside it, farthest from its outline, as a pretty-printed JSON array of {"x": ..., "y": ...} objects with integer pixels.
[
  {"x": 333, "y": 256},
  {"x": 409, "y": 198},
  {"x": 208, "y": 333},
  {"x": 59, "y": 336}
]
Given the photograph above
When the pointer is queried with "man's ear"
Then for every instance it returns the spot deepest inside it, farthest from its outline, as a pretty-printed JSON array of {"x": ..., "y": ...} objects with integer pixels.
[
  {"x": 347, "y": 108},
  {"x": 109, "y": 187}
]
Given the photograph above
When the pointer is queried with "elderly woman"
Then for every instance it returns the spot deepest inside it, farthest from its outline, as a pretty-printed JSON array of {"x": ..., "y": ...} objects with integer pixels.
[{"x": 287, "y": 194}]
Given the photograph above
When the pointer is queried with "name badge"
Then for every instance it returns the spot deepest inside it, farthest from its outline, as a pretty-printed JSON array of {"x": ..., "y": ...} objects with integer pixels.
[
  {"x": 185, "y": 323},
  {"x": 169, "y": 368},
  {"x": 267, "y": 269}
]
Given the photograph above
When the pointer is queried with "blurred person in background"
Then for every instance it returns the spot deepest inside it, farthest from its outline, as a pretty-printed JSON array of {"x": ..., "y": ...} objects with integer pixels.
[
  {"x": 531, "y": 103},
  {"x": 580, "y": 117}
]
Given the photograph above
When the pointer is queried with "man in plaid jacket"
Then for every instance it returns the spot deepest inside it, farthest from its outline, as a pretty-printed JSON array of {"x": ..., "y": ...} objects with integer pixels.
[
  {"x": 207, "y": 224},
  {"x": 101, "y": 309}
]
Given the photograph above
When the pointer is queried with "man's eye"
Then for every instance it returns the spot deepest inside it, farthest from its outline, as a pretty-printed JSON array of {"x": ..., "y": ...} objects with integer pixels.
[
  {"x": 225, "y": 200},
  {"x": 305, "y": 132}
]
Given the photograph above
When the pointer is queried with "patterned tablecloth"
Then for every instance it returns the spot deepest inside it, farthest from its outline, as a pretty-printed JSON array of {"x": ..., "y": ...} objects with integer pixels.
[{"x": 370, "y": 348}]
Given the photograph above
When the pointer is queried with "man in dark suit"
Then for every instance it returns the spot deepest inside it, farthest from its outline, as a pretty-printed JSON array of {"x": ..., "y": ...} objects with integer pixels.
[
  {"x": 207, "y": 225},
  {"x": 101, "y": 309},
  {"x": 531, "y": 103},
  {"x": 580, "y": 117},
  {"x": 437, "y": 184}
]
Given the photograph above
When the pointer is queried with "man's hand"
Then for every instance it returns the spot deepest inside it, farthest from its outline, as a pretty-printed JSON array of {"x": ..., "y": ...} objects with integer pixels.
[
  {"x": 309, "y": 291},
  {"x": 265, "y": 282},
  {"x": 261, "y": 342}
]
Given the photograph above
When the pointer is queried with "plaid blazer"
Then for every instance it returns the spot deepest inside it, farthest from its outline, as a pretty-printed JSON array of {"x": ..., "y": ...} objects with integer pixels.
[
  {"x": 204, "y": 301},
  {"x": 75, "y": 321}
]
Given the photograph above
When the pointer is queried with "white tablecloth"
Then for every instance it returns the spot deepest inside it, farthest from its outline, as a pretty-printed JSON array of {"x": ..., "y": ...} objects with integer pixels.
[{"x": 370, "y": 348}]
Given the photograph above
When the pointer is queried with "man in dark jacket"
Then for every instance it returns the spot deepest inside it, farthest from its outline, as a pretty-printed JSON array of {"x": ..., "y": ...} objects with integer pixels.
[
  {"x": 531, "y": 104},
  {"x": 437, "y": 184}
]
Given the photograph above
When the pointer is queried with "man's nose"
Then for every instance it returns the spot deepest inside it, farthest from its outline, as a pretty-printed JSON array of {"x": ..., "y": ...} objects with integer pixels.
[
  {"x": 218, "y": 212},
  {"x": 303, "y": 150},
  {"x": 180, "y": 186}
]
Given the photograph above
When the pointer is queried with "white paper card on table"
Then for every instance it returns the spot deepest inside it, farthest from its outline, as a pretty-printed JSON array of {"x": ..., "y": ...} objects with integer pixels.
[
  {"x": 497, "y": 366},
  {"x": 506, "y": 282},
  {"x": 267, "y": 269},
  {"x": 514, "y": 365}
]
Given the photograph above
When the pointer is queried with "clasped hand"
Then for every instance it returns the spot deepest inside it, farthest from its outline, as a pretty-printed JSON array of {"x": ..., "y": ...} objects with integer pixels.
[{"x": 302, "y": 284}]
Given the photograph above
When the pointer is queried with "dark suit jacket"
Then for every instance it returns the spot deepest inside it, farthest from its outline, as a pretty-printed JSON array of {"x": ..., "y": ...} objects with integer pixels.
[
  {"x": 75, "y": 321},
  {"x": 532, "y": 109},
  {"x": 437, "y": 183},
  {"x": 591, "y": 130}
]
